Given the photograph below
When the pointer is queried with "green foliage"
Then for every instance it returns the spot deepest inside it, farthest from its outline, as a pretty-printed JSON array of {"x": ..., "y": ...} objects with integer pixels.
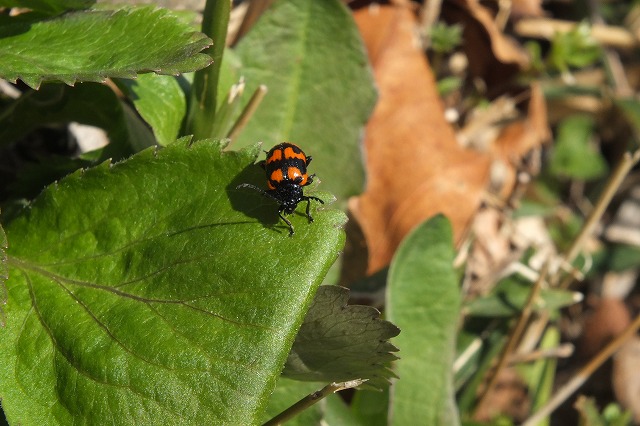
[
  {"x": 423, "y": 299},
  {"x": 630, "y": 107},
  {"x": 574, "y": 155},
  {"x": 160, "y": 101},
  {"x": 575, "y": 48},
  {"x": 118, "y": 318},
  {"x": 4, "y": 274},
  {"x": 152, "y": 290},
  {"x": 320, "y": 91},
  {"x": 130, "y": 41},
  {"x": 371, "y": 408},
  {"x": 337, "y": 343},
  {"x": 508, "y": 297},
  {"x": 612, "y": 415},
  {"x": 540, "y": 375},
  {"x": 448, "y": 85},
  {"x": 333, "y": 411},
  {"x": 445, "y": 38},
  {"x": 621, "y": 257}
]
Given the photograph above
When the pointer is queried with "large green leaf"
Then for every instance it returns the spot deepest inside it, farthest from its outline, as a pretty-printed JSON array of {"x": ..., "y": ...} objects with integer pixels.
[
  {"x": 94, "y": 45},
  {"x": 339, "y": 342},
  {"x": 310, "y": 56},
  {"x": 154, "y": 292},
  {"x": 160, "y": 101},
  {"x": 424, "y": 301}
]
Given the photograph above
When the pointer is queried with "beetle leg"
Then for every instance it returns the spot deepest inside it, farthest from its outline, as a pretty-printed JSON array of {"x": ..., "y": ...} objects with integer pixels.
[
  {"x": 309, "y": 205},
  {"x": 291, "y": 231}
]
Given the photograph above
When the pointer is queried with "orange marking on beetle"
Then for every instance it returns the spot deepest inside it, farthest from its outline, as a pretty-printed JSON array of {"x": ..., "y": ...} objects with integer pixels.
[
  {"x": 277, "y": 176},
  {"x": 294, "y": 173},
  {"x": 270, "y": 185},
  {"x": 275, "y": 156},
  {"x": 290, "y": 153}
]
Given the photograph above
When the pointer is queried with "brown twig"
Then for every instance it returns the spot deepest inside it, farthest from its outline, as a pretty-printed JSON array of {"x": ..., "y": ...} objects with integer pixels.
[
  {"x": 312, "y": 399},
  {"x": 253, "y": 13},
  {"x": 585, "y": 372},
  {"x": 622, "y": 169},
  {"x": 560, "y": 351},
  {"x": 514, "y": 336},
  {"x": 247, "y": 112}
]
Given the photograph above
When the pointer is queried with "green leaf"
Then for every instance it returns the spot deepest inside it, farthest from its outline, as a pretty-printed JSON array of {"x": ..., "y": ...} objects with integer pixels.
[
  {"x": 621, "y": 257},
  {"x": 371, "y": 407},
  {"x": 160, "y": 101},
  {"x": 339, "y": 342},
  {"x": 493, "y": 339},
  {"x": 153, "y": 291},
  {"x": 86, "y": 103},
  {"x": 338, "y": 413},
  {"x": 575, "y": 48},
  {"x": 445, "y": 38},
  {"x": 287, "y": 393},
  {"x": 94, "y": 45},
  {"x": 310, "y": 56},
  {"x": 541, "y": 374},
  {"x": 423, "y": 300},
  {"x": 574, "y": 155},
  {"x": 4, "y": 275},
  {"x": 510, "y": 295},
  {"x": 48, "y": 6},
  {"x": 630, "y": 107}
]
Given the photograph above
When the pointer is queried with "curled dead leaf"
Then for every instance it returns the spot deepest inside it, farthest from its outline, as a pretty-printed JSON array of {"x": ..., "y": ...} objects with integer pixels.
[{"x": 415, "y": 166}]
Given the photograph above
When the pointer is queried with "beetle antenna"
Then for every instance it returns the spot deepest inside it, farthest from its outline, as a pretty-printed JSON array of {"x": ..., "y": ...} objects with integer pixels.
[{"x": 255, "y": 188}]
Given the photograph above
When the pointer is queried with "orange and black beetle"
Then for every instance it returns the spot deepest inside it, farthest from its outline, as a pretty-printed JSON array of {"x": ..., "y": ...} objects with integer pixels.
[{"x": 286, "y": 169}]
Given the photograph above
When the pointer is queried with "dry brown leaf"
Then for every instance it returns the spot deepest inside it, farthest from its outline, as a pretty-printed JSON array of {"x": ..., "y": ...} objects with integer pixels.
[
  {"x": 493, "y": 56},
  {"x": 527, "y": 8},
  {"x": 415, "y": 167},
  {"x": 520, "y": 137}
]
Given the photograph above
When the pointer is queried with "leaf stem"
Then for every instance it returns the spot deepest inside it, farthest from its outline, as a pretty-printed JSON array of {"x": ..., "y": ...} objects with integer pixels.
[
  {"x": 204, "y": 90},
  {"x": 312, "y": 399}
]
